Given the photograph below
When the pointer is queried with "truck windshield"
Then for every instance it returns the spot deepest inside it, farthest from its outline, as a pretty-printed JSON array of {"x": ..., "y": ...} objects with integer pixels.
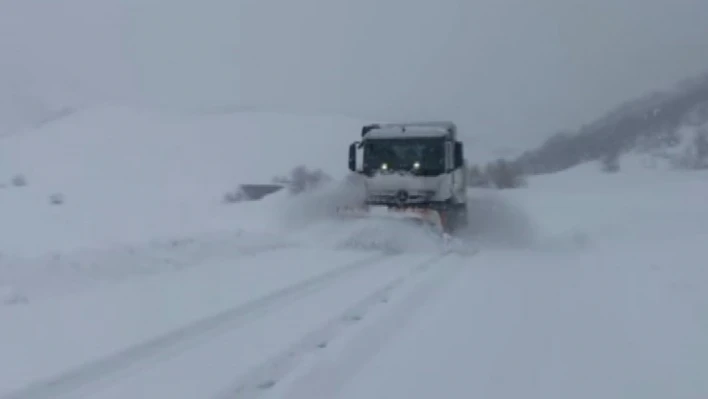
[{"x": 428, "y": 154}]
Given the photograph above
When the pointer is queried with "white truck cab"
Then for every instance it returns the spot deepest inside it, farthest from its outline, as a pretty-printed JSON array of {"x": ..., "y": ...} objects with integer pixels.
[{"x": 413, "y": 165}]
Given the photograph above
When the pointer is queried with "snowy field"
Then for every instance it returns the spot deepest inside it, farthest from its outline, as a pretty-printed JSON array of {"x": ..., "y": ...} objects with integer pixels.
[{"x": 142, "y": 282}]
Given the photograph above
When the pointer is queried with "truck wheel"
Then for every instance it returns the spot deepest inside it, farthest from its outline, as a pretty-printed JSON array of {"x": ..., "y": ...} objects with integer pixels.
[{"x": 455, "y": 218}]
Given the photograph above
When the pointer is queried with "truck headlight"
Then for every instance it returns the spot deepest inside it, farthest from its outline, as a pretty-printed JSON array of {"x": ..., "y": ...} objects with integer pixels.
[
  {"x": 384, "y": 166},
  {"x": 416, "y": 165}
]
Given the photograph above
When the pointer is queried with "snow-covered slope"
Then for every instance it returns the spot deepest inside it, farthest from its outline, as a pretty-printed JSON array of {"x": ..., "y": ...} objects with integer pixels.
[
  {"x": 127, "y": 176},
  {"x": 585, "y": 284}
]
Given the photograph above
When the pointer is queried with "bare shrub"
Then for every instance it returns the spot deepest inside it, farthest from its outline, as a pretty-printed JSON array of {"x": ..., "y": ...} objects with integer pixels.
[
  {"x": 476, "y": 177},
  {"x": 610, "y": 162},
  {"x": 56, "y": 199},
  {"x": 700, "y": 148},
  {"x": 505, "y": 175},
  {"x": 302, "y": 179},
  {"x": 235, "y": 196},
  {"x": 19, "y": 180},
  {"x": 693, "y": 154}
]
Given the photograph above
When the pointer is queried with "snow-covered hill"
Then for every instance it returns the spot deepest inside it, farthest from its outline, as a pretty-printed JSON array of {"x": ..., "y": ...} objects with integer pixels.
[
  {"x": 664, "y": 123},
  {"x": 125, "y": 175}
]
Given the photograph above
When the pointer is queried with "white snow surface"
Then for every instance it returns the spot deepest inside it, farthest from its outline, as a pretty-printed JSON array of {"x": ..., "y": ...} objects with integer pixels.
[{"x": 143, "y": 283}]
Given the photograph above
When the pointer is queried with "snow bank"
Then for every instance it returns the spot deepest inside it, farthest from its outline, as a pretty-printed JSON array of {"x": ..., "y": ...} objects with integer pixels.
[
  {"x": 583, "y": 207},
  {"x": 65, "y": 273}
]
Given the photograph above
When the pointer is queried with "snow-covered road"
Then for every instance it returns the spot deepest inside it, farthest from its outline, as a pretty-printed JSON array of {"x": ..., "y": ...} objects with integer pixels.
[
  {"x": 349, "y": 324},
  {"x": 582, "y": 328},
  {"x": 285, "y": 321}
]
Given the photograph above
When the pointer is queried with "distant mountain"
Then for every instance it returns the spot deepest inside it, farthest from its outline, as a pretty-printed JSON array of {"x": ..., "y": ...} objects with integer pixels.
[{"x": 654, "y": 121}]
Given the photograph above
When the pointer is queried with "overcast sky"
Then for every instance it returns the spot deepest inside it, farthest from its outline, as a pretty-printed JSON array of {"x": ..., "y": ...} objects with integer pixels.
[
  {"x": 505, "y": 69},
  {"x": 501, "y": 67}
]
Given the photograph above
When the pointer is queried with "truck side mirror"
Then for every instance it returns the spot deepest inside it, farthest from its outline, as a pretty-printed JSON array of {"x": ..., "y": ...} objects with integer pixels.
[
  {"x": 459, "y": 158},
  {"x": 352, "y": 157}
]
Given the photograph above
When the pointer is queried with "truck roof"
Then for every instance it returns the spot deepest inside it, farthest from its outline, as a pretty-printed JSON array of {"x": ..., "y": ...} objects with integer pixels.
[
  {"x": 409, "y": 129},
  {"x": 392, "y": 133}
]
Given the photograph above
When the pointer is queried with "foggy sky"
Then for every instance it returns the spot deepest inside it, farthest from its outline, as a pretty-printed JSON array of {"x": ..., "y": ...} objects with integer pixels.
[
  {"x": 501, "y": 67},
  {"x": 504, "y": 69}
]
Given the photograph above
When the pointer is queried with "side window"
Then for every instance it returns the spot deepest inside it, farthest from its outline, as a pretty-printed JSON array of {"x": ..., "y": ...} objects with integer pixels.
[{"x": 459, "y": 157}]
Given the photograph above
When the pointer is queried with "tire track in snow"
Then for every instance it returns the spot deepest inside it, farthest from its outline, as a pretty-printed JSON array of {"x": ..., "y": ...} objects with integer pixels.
[
  {"x": 175, "y": 342},
  {"x": 260, "y": 380},
  {"x": 329, "y": 375}
]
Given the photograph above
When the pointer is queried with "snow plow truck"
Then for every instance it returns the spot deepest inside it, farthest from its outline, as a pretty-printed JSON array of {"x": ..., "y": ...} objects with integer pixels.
[{"x": 413, "y": 171}]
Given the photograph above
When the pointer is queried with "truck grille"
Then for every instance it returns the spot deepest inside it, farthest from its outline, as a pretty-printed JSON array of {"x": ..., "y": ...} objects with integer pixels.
[{"x": 396, "y": 197}]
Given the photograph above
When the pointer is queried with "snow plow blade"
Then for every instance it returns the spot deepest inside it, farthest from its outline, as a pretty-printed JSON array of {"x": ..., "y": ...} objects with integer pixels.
[{"x": 425, "y": 216}]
